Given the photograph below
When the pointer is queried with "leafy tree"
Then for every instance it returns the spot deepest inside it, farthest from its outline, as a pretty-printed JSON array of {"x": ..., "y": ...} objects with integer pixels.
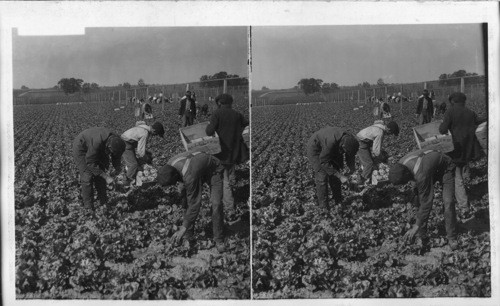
[
  {"x": 141, "y": 83},
  {"x": 216, "y": 80},
  {"x": 94, "y": 86},
  {"x": 380, "y": 82},
  {"x": 86, "y": 87},
  {"x": 334, "y": 86},
  {"x": 325, "y": 88},
  {"x": 24, "y": 87},
  {"x": 70, "y": 85},
  {"x": 264, "y": 88},
  {"x": 310, "y": 85},
  {"x": 126, "y": 85}
]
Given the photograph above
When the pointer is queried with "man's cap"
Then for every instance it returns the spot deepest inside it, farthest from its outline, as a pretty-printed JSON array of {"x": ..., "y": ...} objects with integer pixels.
[
  {"x": 399, "y": 174},
  {"x": 116, "y": 145},
  {"x": 167, "y": 175},
  {"x": 188, "y": 92},
  {"x": 393, "y": 128},
  {"x": 457, "y": 97},
  {"x": 158, "y": 127},
  {"x": 224, "y": 99},
  {"x": 425, "y": 91},
  {"x": 350, "y": 144}
]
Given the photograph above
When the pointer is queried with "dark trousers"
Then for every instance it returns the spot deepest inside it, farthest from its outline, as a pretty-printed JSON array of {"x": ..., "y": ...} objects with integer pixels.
[
  {"x": 424, "y": 118},
  {"x": 205, "y": 169},
  {"x": 323, "y": 181},
  {"x": 130, "y": 160},
  {"x": 187, "y": 119},
  {"x": 88, "y": 181},
  {"x": 365, "y": 158}
]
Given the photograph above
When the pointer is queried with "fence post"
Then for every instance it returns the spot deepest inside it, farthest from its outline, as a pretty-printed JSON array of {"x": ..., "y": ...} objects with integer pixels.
[
  {"x": 425, "y": 85},
  {"x": 385, "y": 90},
  {"x": 462, "y": 85},
  {"x": 224, "y": 86}
]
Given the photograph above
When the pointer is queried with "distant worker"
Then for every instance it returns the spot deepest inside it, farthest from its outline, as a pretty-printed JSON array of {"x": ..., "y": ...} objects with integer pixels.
[
  {"x": 326, "y": 150},
  {"x": 91, "y": 151},
  {"x": 192, "y": 172},
  {"x": 187, "y": 110},
  {"x": 425, "y": 167},
  {"x": 370, "y": 147},
  {"x": 204, "y": 109},
  {"x": 229, "y": 125},
  {"x": 147, "y": 111},
  {"x": 425, "y": 108},
  {"x": 382, "y": 110},
  {"x": 462, "y": 123},
  {"x": 135, "y": 140}
]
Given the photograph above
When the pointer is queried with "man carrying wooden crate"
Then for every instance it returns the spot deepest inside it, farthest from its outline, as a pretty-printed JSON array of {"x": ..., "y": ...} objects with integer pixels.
[
  {"x": 425, "y": 167},
  {"x": 229, "y": 125},
  {"x": 462, "y": 123}
]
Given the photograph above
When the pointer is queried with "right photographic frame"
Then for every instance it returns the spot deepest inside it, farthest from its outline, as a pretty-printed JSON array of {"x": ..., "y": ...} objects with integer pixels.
[{"x": 370, "y": 161}]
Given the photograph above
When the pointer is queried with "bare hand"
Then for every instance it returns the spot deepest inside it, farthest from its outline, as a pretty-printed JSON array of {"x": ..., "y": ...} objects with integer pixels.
[
  {"x": 343, "y": 179},
  {"x": 177, "y": 236},
  {"x": 109, "y": 179},
  {"x": 410, "y": 234}
]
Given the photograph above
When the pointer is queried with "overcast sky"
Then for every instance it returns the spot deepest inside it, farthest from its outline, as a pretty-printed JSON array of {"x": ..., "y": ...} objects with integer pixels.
[
  {"x": 110, "y": 56},
  {"x": 348, "y": 55}
]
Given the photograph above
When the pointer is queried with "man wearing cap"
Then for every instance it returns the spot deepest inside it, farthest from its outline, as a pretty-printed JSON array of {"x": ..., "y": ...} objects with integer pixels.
[
  {"x": 135, "y": 140},
  {"x": 326, "y": 150},
  {"x": 425, "y": 108},
  {"x": 91, "y": 151},
  {"x": 462, "y": 123},
  {"x": 229, "y": 125},
  {"x": 191, "y": 171},
  {"x": 425, "y": 167},
  {"x": 370, "y": 145},
  {"x": 187, "y": 110}
]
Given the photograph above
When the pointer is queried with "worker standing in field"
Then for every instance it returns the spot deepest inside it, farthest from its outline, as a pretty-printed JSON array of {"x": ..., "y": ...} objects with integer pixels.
[
  {"x": 229, "y": 125},
  {"x": 187, "y": 110},
  {"x": 326, "y": 150},
  {"x": 370, "y": 147},
  {"x": 91, "y": 151},
  {"x": 425, "y": 108},
  {"x": 425, "y": 167},
  {"x": 192, "y": 172},
  {"x": 135, "y": 141},
  {"x": 462, "y": 123}
]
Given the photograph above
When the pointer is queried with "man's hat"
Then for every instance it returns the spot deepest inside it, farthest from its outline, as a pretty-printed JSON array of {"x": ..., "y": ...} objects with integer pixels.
[
  {"x": 399, "y": 174},
  {"x": 457, "y": 97},
  {"x": 167, "y": 175},
  {"x": 158, "y": 127},
  {"x": 224, "y": 99},
  {"x": 116, "y": 145},
  {"x": 393, "y": 128},
  {"x": 350, "y": 144}
]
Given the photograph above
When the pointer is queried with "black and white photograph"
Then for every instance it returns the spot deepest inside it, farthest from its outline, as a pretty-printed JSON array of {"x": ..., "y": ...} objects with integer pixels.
[
  {"x": 369, "y": 164},
  {"x": 116, "y": 132}
]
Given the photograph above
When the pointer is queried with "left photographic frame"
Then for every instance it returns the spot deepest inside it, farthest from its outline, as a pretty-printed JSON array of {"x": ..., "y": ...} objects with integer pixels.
[{"x": 119, "y": 192}]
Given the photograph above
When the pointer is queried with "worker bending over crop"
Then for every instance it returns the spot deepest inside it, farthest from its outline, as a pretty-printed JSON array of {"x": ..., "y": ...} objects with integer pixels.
[
  {"x": 326, "y": 150},
  {"x": 370, "y": 146},
  {"x": 425, "y": 167},
  {"x": 229, "y": 125},
  {"x": 135, "y": 140},
  {"x": 191, "y": 172},
  {"x": 91, "y": 151}
]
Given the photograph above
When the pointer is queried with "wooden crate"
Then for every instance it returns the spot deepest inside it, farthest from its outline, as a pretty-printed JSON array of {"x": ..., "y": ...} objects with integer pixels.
[
  {"x": 194, "y": 138},
  {"x": 482, "y": 135},
  {"x": 427, "y": 136}
]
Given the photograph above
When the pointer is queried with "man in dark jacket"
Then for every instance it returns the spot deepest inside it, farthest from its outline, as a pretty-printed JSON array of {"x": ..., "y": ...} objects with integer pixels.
[
  {"x": 187, "y": 110},
  {"x": 91, "y": 151},
  {"x": 326, "y": 150},
  {"x": 425, "y": 167},
  {"x": 192, "y": 170},
  {"x": 229, "y": 125},
  {"x": 462, "y": 123},
  {"x": 425, "y": 108}
]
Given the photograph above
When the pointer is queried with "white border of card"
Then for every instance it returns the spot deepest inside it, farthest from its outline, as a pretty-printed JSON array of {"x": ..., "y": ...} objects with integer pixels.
[{"x": 57, "y": 18}]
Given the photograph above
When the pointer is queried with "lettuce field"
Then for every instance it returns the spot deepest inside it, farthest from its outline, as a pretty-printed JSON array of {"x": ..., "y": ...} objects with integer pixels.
[
  {"x": 355, "y": 250},
  {"x": 123, "y": 249}
]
